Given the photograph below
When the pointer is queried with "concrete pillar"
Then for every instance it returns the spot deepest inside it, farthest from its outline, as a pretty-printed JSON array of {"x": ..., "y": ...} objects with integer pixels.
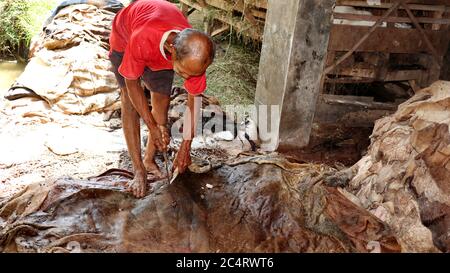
[{"x": 292, "y": 59}]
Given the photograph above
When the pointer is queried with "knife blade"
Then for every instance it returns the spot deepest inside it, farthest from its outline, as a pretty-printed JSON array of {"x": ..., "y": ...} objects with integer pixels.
[{"x": 175, "y": 175}]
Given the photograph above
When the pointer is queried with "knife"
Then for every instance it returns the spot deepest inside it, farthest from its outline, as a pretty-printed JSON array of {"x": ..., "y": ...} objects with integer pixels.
[
  {"x": 175, "y": 175},
  {"x": 166, "y": 163}
]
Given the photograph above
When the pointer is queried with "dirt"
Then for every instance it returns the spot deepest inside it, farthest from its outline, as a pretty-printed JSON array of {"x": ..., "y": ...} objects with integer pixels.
[{"x": 332, "y": 145}]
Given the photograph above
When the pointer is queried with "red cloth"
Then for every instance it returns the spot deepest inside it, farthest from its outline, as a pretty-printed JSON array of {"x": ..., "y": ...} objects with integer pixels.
[{"x": 137, "y": 32}]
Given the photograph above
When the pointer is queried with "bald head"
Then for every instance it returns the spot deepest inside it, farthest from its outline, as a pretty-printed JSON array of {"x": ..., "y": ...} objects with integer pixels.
[{"x": 194, "y": 44}]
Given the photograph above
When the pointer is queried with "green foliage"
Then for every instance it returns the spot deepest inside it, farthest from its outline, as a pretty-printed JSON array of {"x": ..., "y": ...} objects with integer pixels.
[
  {"x": 38, "y": 13},
  {"x": 13, "y": 24},
  {"x": 20, "y": 20}
]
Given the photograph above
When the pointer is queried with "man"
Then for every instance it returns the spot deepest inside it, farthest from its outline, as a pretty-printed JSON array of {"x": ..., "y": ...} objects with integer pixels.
[{"x": 150, "y": 40}]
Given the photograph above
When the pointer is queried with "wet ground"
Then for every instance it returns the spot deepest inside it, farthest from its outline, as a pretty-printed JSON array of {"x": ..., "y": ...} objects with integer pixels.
[{"x": 9, "y": 71}]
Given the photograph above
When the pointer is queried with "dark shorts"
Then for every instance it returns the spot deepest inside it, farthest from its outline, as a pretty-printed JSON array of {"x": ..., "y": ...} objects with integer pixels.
[{"x": 155, "y": 81}]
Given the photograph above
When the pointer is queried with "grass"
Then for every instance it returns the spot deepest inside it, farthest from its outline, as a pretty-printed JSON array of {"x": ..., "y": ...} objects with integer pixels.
[{"x": 232, "y": 76}]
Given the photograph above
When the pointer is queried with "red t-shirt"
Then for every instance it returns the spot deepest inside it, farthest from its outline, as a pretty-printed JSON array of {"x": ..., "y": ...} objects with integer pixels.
[{"x": 137, "y": 32}]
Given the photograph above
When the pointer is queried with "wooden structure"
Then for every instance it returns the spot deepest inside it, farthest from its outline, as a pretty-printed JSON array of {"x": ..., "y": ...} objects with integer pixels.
[
  {"x": 346, "y": 63},
  {"x": 336, "y": 62},
  {"x": 375, "y": 42},
  {"x": 246, "y": 17}
]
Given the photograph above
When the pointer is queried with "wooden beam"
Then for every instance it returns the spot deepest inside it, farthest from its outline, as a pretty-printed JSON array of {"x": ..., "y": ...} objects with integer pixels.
[
  {"x": 202, "y": 3},
  {"x": 191, "y": 11},
  {"x": 350, "y": 114},
  {"x": 249, "y": 16},
  {"x": 403, "y": 75},
  {"x": 348, "y": 80},
  {"x": 345, "y": 117},
  {"x": 373, "y": 18},
  {"x": 389, "y": 40},
  {"x": 220, "y": 30},
  {"x": 363, "y": 39},
  {"x": 364, "y": 4},
  {"x": 259, "y": 14},
  {"x": 262, "y": 4},
  {"x": 424, "y": 36},
  {"x": 237, "y": 6},
  {"x": 185, "y": 9},
  {"x": 356, "y": 72},
  {"x": 357, "y": 101},
  {"x": 252, "y": 31}
]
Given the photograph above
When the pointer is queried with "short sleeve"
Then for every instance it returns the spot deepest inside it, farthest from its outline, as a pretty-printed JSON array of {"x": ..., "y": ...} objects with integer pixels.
[
  {"x": 133, "y": 65},
  {"x": 196, "y": 85}
]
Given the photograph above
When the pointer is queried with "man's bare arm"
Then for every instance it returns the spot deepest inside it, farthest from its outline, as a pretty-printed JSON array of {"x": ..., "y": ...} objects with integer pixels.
[
  {"x": 191, "y": 117},
  {"x": 139, "y": 101},
  {"x": 183, "y": 158}
]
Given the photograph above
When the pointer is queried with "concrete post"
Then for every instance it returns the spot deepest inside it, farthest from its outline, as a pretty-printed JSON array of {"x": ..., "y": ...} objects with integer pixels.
[{"x": 292, "y": 60}]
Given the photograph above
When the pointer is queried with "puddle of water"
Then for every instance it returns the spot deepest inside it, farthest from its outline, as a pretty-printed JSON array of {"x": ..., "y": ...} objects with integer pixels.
[{"x": 9, "y": 71}]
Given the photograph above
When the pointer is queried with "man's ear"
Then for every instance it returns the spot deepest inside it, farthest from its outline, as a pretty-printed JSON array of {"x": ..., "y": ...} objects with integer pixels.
[{"x": 170, "y": 48}]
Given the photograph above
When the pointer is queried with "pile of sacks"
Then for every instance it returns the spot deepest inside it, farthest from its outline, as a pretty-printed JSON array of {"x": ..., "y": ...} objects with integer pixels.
[{"x": 69, "y": 66}]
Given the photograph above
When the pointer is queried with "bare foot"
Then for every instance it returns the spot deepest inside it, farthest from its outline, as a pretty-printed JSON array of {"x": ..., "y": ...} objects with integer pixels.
[
  {"x": 152, "y": 167},
  {"x": 138, "y": 186}
]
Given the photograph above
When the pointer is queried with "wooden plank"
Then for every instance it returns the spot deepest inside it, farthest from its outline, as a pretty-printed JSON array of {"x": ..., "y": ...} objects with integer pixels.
[
  {"x": 437, "y": 14},
  {"x": 364, "y": 4},
  {"x": 348, "y": 80},
  {"x": 223, "y": 5},
  {"x": 220, "y": 30},
  {"x": 249, "y": 16},
  {"x": 436, "y": 56},
  {"x": 350, "y": 116},
  {"x": 403, "y": 75},
  {"x": 259, "y": 14},
  {"x": 367, "y": 75},
  {"x": 372, "y": 73},
  {"x": 389, "y": 40},
  {"x": 185, "y": 9},
  {"x": 363, "y": 39},
  {"x": 237, "y": 6},
  {"x": 357, "y": 101},
  {"x": 392, "y": 19},
  {"x": 262, "y": 4},
  {"x": 353, "y": 111},
  {"x": 252, "y": 31},
  {"x": 356, "y": 72}
]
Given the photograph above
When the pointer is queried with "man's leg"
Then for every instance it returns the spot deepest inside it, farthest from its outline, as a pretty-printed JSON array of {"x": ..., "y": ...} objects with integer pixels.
[
  {"x": 131, "y": 129},
  {"x": 160, "y": 107}
]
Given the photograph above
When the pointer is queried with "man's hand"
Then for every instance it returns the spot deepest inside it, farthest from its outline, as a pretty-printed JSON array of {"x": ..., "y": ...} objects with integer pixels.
[
  {"x": 183, "y": 158},
  {"x": 159, "y": 138},
  {"x": 165, "y": 135}
]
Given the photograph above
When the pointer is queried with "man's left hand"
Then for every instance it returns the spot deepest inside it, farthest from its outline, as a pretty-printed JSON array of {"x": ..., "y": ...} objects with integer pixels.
[{"x": 183, "y": 158}]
